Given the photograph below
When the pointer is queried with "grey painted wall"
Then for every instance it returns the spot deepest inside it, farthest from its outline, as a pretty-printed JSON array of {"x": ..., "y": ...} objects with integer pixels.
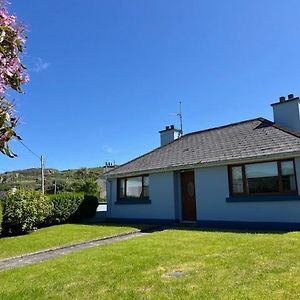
[
  {"x": 287, "y": 114},
  {"x": 168, "y": 136},
  {"x": 161, "y": 194},
  {"x": 211, "y": 192}
]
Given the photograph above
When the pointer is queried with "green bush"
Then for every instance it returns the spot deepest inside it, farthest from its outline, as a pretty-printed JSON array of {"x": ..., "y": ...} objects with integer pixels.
[
  {"x": 87, "y": 186},
  {"x": 23, "y": 210},
  {"x": 88, "y": 207},
  {"x": 1, "y": 216},
  {"x": 64, "y": 207}
]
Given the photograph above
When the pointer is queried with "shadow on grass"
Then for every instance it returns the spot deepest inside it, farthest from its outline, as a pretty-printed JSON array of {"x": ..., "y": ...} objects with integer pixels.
[
  {"x": 141, "y": 227},
  {"x": 224, "y": 230},
  {"x": 153, "y": 227}
]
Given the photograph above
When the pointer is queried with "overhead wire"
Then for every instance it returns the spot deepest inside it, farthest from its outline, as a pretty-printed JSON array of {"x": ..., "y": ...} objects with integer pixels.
[{"x": 38, "y": 156}]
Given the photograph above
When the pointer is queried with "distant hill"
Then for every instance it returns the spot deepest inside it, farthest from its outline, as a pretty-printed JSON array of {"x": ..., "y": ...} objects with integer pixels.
[{"x": 31, "y": 178}]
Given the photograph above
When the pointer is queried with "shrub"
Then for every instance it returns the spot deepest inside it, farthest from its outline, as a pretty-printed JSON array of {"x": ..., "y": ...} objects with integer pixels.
[
  {"x": 1, "y": 216},
  {"x": 65, "y": 205},
  {"x": 88, "y": 186},
  {"x": 23, "y": 210},
  {"x": 88, "y": 207}
]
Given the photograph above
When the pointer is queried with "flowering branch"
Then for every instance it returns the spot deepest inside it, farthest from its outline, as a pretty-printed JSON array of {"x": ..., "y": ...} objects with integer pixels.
[{"x": 12, "y": 74}]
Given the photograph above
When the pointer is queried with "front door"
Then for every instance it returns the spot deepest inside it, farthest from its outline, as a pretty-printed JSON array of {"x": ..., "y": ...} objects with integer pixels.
[{"x": 188, "y": 196}]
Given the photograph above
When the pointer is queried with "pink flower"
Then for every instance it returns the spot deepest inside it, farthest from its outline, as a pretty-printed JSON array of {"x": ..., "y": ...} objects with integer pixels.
[{"x": 12, "y": 73}]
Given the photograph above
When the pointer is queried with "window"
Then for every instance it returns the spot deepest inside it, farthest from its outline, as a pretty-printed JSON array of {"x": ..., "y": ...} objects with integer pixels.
[
  {"x": 134, "y": 187},
  {"x": 122, "y": 188},
  {"x": 288, "y": 176},
  {"x": 237, "y": 180},
  {"x": 263, "y": 178}
]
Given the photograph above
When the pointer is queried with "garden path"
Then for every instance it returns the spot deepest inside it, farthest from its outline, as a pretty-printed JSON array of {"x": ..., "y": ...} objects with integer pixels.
[{"x": 18, "y": 261}]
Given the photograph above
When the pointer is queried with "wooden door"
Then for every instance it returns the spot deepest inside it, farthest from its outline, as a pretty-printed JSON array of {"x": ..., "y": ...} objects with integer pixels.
[{"x": 188, "y": 196}]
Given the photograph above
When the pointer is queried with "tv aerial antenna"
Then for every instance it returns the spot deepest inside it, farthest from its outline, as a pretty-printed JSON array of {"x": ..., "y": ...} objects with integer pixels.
[{"x": 180, "y": 118}]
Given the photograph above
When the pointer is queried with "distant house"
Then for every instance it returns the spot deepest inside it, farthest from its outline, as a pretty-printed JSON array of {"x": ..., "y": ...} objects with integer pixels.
[
  {"x": 101, "y": 181},
  {"x": 238, "y": 175},
  {"x": 102, "y": 185}
]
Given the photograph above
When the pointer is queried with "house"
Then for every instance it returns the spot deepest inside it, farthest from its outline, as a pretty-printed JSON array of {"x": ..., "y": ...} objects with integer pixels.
[
  {"x": 101, "y": 181},
  {"x": 241, "y": 175}
]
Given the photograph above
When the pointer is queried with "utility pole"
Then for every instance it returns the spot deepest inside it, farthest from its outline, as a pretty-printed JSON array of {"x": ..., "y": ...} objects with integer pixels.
[
  {"x": 42, "y": 161},
  {"x": 55, "y": 186},
  {"x": 42, "y": 174}
]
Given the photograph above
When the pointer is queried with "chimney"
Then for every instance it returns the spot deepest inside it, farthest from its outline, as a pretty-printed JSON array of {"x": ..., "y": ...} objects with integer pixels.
[
  {"x": 287, "y": 112},
  {"x": 168, "y": 135}
]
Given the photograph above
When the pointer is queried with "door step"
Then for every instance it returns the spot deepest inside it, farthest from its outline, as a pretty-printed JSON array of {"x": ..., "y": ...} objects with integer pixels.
[{"x": 188, "y": 222}]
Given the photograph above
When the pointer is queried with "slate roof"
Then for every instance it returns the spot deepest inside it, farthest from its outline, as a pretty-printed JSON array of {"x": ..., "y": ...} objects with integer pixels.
[{"x": 238, "y": 141}]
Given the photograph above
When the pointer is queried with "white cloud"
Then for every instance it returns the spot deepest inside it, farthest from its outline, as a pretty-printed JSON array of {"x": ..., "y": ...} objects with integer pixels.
[
  {"x": 108, "y": 149},
  {"x": 40, "y": 65}
]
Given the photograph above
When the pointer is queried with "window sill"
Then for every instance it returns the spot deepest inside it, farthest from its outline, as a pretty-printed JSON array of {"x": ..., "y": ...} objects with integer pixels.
[
  {"x": 263, "y": 198},
  {"x": 133, "y": 201}
]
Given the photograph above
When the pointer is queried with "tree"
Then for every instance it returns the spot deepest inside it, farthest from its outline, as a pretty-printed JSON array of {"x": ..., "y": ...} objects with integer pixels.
[
  {"x": 88, "y": 186},
  {"x": 12, "y": 74},
  {"x": 82, "y": 173}
]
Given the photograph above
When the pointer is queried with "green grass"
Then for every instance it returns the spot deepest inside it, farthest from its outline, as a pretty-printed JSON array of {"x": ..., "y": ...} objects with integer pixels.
[
  {"x": 56, "y": 236},
  {"x": 217, "y": 265}
]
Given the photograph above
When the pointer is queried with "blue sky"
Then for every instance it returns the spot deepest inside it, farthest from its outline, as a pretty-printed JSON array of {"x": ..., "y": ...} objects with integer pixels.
[{"x": 106, "y": 76}]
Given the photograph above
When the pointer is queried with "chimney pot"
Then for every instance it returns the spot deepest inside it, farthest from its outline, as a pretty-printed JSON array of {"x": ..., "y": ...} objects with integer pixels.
[
  {"x": 172, "y": 127},
  {"x": 167, "y": 127},
  {"x": 281, "y": 99},
  {"x": 290, "y": 96}
]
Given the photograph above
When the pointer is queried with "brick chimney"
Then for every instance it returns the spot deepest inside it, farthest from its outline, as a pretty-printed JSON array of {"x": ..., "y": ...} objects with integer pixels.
[{"x": 287, "y": 112}]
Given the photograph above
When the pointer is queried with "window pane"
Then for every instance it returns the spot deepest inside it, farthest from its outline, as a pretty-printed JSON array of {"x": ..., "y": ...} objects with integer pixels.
[
  {"x": 146, "y": 186},
  {"x": 122, "y": 188},
  {"x": 262, "y": 178},
  {"x": 237, "y": 180},
  {"x": 288, "y": 176},
  {"x": 134, "y": 187}
]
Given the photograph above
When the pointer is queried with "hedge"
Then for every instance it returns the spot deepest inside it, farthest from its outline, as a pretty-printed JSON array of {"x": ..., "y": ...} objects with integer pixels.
[
  {"x": 1, "y": 216},
  {"x": 64, "y": 207},
  {"x": 24, "y": 210},
  {"x": 88, "y": 207}
]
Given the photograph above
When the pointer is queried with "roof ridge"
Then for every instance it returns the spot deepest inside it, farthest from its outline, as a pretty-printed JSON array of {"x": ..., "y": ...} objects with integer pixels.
[{"x": 227, "y": 125}]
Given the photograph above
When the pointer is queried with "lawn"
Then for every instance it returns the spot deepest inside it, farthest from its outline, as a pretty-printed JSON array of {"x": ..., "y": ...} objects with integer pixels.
[
  {"x": 56, "y": 236},
  {"x": 215, "y": 265}
]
